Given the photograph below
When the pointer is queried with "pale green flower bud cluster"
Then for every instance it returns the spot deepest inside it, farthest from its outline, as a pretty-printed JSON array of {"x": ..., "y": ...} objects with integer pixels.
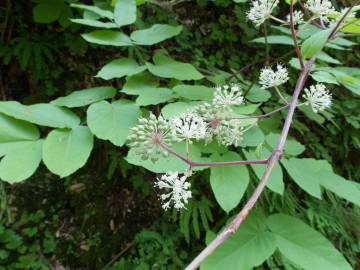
[
  {"x": 229, "y": 132},
  {"x": 145, "y": 137}
]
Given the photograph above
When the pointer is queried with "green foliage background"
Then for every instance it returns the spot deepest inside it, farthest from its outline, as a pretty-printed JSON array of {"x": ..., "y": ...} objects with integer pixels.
[{"x": 104, "y": 212}]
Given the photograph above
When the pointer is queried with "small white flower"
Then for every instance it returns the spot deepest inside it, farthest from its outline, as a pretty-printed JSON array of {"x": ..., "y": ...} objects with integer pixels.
[
  {"x": 269, "y": 78},
  {"x": 298, "y": 17},
  {"x": 227, "y": 95},
  {"x": 318, "y": 97},
  {"x": 261, "y": 10},
  {"x": 145, "y": 137},
  {"x": 189, "y": 126},
  {"x": 177, "y": 188},
  {"x": 320, "y": 7}
]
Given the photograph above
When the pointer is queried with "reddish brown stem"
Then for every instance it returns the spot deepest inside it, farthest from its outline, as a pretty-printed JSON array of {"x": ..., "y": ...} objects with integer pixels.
[
  {"x": 337, "y": 27},
  {"x": 261, "y": 115},
  {"x": 208, "y": 164},
  {"x": 294, "y": 35}
]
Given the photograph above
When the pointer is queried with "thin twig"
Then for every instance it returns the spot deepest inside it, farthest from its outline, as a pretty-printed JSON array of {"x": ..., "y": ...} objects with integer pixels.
[
  {"x": 129, "y": 245},
  {"x": 260, "y": 116},
  {"x": 257, "y": 62},
  {"x": 294, "y": 35},
  {"x": 336, "y": 28},
  {"x": 208, "y": 164}
]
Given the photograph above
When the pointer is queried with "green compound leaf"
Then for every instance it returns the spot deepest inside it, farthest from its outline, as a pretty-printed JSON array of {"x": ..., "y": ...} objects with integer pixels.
[
  {"x": 253, "y": 137},
  {"x": 311, "y": 174},
  {"x": 95, "y": 23},
  {"x": 112, "y": 121},
  {"x": 48, "y": 11},
  {"x": 315, "y": 43},
  {"x": 65, "y": 151},
  {"x": 304, "y": 246},
  {"x": 155, "y": 34},
  {"x": 171, "y": 110},
  {"x": 21, "y": 160},
  {"x": 275, "y": 181},
  {"x": 228, "y": 182},
  {"x": 153, "y": 96},
  {"x": 257, "y": 94},
  {"x": 167, "y": 67},
  {"x": 194, "y": 92},
  {"x": 292, "y": 147},
  {"x": 305, "y": 173},
  {"x": 249, "y": 247},
  {"x": 85, "y": 97},
  {"x": 146, "y": 88},
  {"x": 12, "y": 129},
  {"x": 100, "y": 12},
  {"x": 284, "y": 40},
  {"x": 324, "y": 77},
  {"x": 352, "y": 27},
  {"x": 107, "y": 37},
  {"x": 119, "y": 68},
  {"x": 125, "y": 12},
  {"x": 42, "y": 114}
]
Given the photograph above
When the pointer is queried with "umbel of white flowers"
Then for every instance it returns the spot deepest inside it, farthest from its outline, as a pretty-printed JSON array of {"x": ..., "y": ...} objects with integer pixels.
[
  {"x": 320, "y": 7},
  {"x": 270, "y": 78},
  {"x": 227, "y": 95},
  {"x": 298, "y": 17},
  {"x": 177, "y": 189},
  {"x": 318, "y": 97},
  {"x": 261, "y": 10},
  {"x": 204, "y": 122},
  {"x": 189, "y": 126}
]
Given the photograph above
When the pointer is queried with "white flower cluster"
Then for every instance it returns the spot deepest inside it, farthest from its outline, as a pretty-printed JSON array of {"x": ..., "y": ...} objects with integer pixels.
[
  {"x": 178, "y": 190},
  {"x": 320, "y": 7},
  {"x": 227, "y": 95},
  {"x": 205, "y": 122},
  {"x": 189, "y": 126},
  {"x": 261, "y": 10},
  {"x": 298, "y": 17},
  {"x": 318, "y": 97},
  {"x": 270, "y": 78}
]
